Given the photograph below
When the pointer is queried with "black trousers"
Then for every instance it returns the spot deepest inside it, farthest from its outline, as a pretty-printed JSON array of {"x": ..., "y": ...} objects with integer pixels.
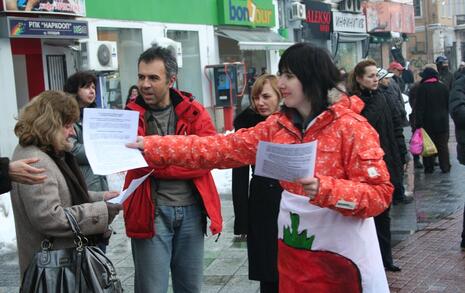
[
  {"x": 383, "y": 230},
  {"x": 440, "y": 140},
  {"x": 463, "y": 229},
  {"x": 269, "y": 287}
]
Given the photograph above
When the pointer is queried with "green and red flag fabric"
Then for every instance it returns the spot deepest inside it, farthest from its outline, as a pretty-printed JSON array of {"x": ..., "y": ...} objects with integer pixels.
[{"x": 320, "y": 250}]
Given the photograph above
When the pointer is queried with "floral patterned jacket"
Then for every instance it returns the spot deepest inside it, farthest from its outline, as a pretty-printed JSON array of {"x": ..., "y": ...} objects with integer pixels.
[{"x": 353, "y": 177}]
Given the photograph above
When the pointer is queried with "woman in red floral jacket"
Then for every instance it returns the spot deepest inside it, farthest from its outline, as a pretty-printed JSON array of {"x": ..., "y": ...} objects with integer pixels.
[{"x": 334, "y": 208}]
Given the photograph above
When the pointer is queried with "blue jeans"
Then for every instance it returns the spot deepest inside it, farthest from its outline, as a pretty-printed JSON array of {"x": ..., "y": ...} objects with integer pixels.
[{"x": 177, "y": 245}]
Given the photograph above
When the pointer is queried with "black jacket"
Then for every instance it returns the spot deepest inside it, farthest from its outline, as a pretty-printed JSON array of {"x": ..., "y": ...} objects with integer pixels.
[
  {"x": 256, "y": 209},
  {"x": 457, "y": 111},
  {"x": 446, "y": 77},
  {"x": 432, "y": 107},
  {"x": 400, "y": 82},
  {"x": 5, "y": 182},
  {"x": 412, "y": 98},
  {"x": 383, "y": 116},
  {"x": 393, "y": 93},
  {"x": 240, "y": 176}
]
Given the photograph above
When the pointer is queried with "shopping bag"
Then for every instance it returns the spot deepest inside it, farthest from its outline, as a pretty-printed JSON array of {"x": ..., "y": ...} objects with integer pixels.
[
  {"x": 429, "y": 149},
  {"x": 416, "y": 143}
]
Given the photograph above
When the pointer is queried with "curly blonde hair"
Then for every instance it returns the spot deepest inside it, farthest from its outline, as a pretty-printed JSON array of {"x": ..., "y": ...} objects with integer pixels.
[{"x": 41, "y": 121}]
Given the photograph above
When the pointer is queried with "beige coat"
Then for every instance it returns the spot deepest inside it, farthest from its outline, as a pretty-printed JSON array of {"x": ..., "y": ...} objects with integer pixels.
[{"x": 38, "y": 209}]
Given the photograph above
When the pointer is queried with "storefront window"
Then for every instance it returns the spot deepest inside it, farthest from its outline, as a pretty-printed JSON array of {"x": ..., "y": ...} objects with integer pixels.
[
  {"x": 256, "y": 65},
  {"x": 115, "y": 85},
  {"x": 347, "y": 56},
  {"x": 374, "y": 53},
  {"x": 190, "y": 75}
]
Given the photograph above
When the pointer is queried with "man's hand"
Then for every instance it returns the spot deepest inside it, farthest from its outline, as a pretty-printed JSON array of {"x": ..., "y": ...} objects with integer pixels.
[
  {"x": 21, "y": 171},
  {"x": 310, "y": 185},
  {"x": 109, "y": 195},
  {"x": 139, "y": 144}
]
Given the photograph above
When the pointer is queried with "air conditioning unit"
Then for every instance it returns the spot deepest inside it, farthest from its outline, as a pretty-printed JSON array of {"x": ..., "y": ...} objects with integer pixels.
[
  {"x": 350, "y": 6},
  {"x": 98, "y": 56},
  {"x": 297, "y": 11},
  {"x": 173, "y": 46}
]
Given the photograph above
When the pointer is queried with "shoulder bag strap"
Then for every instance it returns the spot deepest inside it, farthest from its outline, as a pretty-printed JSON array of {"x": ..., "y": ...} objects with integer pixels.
[{"x": 73, "y": 222}]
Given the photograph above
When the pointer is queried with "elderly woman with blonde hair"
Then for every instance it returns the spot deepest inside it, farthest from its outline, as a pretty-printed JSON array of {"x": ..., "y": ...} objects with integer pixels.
[{"x": 43, "y": 128}]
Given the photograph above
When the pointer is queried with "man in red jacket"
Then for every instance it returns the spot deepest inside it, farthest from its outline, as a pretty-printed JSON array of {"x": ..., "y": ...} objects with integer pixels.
[{"x": 166, "y": 215}]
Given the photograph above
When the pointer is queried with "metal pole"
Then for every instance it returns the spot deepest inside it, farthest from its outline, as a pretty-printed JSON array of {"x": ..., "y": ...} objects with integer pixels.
[{"x": 426, "y": 29}]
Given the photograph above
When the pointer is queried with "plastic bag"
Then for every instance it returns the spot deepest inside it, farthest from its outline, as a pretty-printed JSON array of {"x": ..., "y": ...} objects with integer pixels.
[
  {"x": 429, "y": 149},
  {"x": 416, "y": 143}
]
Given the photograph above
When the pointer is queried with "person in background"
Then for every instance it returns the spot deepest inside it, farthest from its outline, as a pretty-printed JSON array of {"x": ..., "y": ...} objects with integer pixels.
[
  {"x": 408, "y": 78},
  {"x": 133, "y": 93},
  {"x": 393, "y": 96},
  {"x": 412, "y": 97},
  {"x": 445, "y": 76},
  {"x": 381, "y": 113},
  {"x": 343, "y": 73},
  {"x": 396, "y": 68},
  {"x": 165, "y": 217},
  {"x": 82, "y": 86},
  {"x": 20, "y": 171},
  {"x": 324, "y": 218},
  {"x": 458, "y": 73},
  {"x": 256, "y": 206},
  {"x": 432, "y": 114},
  {"x": 44, "y": 128},
  {"x": 391, "y": 91},
  {"x": 457, "y": 112}
]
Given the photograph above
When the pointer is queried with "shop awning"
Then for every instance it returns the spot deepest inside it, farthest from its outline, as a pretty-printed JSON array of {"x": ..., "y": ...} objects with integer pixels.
[
  {"x": 351, "y": 37},
  {"x": 256, "y": 40}
]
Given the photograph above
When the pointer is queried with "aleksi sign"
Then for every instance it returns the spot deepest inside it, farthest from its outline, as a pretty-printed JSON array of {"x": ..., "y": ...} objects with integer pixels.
[
  {"x": 318, "y": 19},
  {"x": 47, "y": 28},
  {"x": 246, "y": 12},
  {"x": 349, "y": 22}
]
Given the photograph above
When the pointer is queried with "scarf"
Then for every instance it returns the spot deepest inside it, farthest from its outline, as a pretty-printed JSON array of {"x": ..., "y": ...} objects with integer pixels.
[
  {"x": 73, "y": 177},
  {"x": 77, "y": 186}
]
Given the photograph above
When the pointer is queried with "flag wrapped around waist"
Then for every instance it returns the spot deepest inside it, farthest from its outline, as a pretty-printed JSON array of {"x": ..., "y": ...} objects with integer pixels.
[{"x": 320, "y": 250}]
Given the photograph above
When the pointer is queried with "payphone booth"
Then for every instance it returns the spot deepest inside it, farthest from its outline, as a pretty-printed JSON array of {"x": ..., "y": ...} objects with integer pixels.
[{"x": 229, "y": 81}]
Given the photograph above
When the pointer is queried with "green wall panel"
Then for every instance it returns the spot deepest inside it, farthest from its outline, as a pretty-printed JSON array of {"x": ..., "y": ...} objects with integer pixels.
[{"x": 174, "y": 11}]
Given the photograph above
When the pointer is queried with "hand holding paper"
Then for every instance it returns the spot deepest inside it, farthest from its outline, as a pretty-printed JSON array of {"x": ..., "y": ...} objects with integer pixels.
[
  {"x": 106, "y": 133},
  {"x": 287, "y": 162},
  {"x": 131, "y": 188}
]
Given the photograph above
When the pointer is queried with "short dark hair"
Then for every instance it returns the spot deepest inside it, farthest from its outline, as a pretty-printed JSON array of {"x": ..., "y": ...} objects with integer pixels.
[
  {"x": 315, "y": 69},
  {"x": 164, "y": 54},
  {"x": 79, "y": 80}
]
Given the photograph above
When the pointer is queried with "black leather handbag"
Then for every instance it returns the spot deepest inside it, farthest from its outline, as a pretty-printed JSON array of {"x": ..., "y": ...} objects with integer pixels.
[{"x": 78, "y": 269}]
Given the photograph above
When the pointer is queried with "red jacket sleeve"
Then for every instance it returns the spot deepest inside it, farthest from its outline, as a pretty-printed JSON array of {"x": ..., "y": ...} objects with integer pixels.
[
  {"x": 217, "y": 151},
  {"x": 202, "y": 126}
]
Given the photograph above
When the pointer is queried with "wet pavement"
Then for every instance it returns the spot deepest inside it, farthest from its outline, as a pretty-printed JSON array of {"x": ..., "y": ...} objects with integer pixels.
[{"x": 426, "y": 234}]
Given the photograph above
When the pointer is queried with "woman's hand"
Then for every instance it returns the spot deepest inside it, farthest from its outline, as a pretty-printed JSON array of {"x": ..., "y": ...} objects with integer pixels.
[
  {"x": 310, "y": 185},
  {"x": 139, "y": 144},
  {"x": 109, "y": 195}
]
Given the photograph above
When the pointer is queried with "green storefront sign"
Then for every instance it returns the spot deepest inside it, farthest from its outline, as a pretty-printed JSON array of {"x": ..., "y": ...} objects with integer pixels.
[{"x": 254, "y": 13}]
